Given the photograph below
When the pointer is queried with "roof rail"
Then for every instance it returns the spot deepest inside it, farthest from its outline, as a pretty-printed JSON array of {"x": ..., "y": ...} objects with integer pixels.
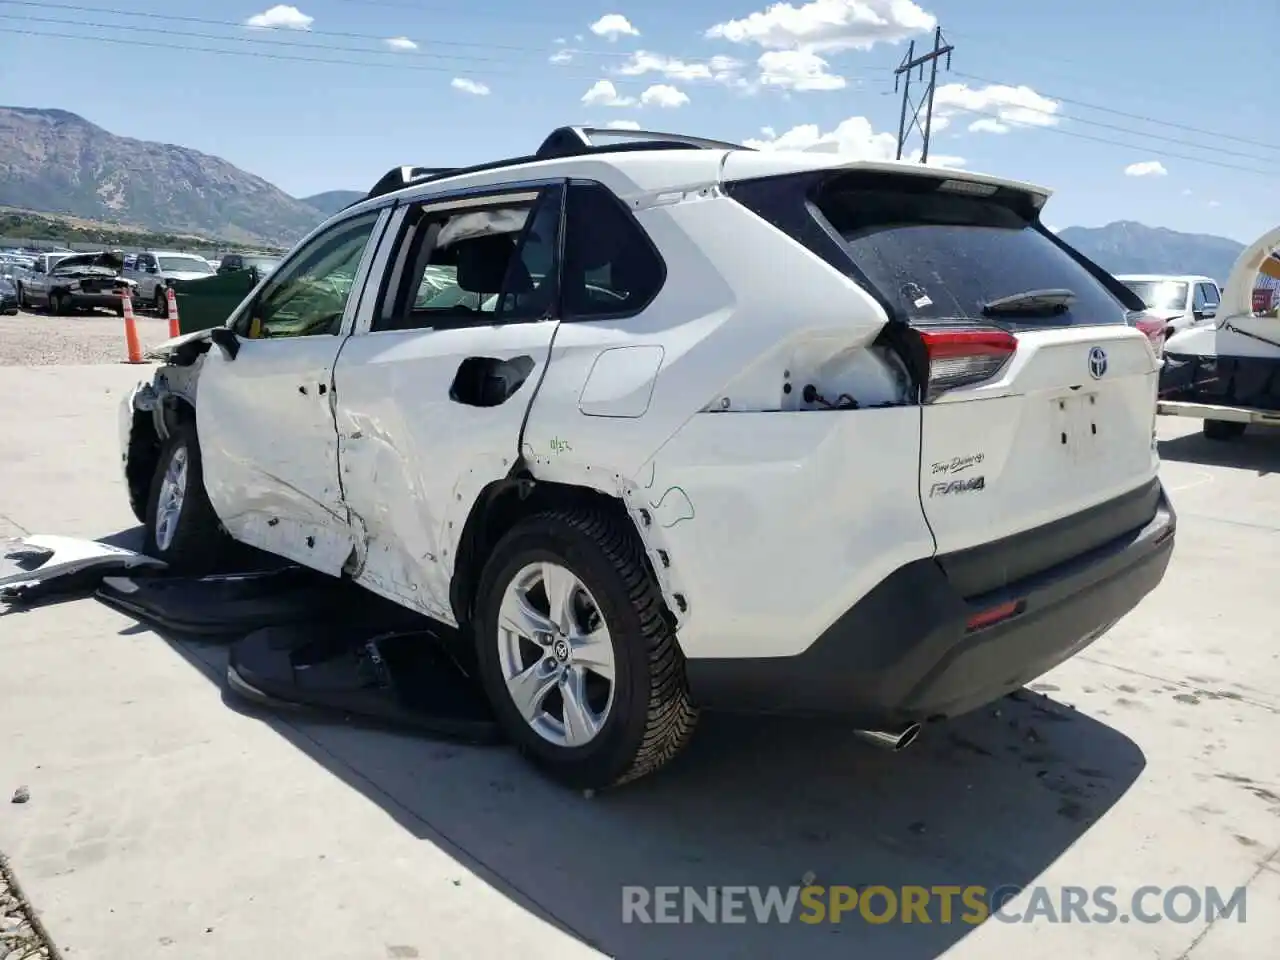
[
  {"x": 400, "y": 177},
  {"x": 561, "y": 142},
  {"x": 576, "y": 141}
]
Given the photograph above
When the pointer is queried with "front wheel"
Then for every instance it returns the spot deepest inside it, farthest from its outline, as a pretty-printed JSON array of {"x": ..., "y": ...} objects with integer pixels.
[
  {"x": 181, "y": 527},
  {"x": 1223, "y": 429},
  {"x": 160, "y": 304},
  {"x": 576, "y": 652},
  {"x": 59, "y": 305}
]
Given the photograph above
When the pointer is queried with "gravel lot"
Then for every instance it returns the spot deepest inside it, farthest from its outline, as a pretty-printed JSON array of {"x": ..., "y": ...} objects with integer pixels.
[
  {"x": 36, "y": 339},
  {"x": 18, "y": 938}
]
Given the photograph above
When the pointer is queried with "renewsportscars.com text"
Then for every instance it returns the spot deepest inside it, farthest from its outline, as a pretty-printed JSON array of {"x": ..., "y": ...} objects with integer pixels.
[{"x": 934, "y": 904}]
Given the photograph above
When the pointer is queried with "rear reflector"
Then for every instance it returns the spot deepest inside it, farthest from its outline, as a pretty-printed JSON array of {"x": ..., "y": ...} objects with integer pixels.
[
  {"x": 962, "y": 357},
  {"x": 993, "y": 615}
]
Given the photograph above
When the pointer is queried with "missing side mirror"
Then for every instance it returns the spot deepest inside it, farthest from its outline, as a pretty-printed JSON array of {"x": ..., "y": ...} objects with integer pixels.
[{"x": 225, "y": 339}]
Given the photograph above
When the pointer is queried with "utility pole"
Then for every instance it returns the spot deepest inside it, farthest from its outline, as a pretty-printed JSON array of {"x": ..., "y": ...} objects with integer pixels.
[{"x": 941, "y": 48}]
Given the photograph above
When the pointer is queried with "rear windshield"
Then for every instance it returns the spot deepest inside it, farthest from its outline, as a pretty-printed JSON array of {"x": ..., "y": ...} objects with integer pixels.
[{"x": 941, "y": 256}]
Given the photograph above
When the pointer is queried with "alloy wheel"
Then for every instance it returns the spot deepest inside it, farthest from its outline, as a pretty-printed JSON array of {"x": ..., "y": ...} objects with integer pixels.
[{"x": 556, "y": 654}]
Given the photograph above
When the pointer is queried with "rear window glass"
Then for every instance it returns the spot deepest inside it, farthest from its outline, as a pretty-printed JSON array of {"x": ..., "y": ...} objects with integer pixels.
[{"x": 940, "y": 256}]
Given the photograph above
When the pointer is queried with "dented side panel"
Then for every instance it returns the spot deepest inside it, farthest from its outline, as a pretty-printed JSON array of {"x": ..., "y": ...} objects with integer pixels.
[
  {"x": 416, "y": 450},
  {"x": 269, "y": 450}
]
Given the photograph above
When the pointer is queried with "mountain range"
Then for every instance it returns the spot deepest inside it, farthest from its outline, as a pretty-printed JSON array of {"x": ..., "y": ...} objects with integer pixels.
[
  {"x": 53, "y": 161},
  {"x": 1126, "y": 247}
]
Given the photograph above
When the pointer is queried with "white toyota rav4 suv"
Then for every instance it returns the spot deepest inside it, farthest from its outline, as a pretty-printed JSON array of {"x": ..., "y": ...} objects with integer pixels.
[{"x": 668, "y": 423}]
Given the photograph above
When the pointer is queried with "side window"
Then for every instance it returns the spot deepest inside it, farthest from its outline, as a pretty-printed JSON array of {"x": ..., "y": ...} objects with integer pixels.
[
  {"x": 481, "y": 265},
  {"x": 1197, "y": 301},
  {"x": 308, "y": 296},
  {"x": 611, "y": 268},
  {"x": 1211, "y": 296}
]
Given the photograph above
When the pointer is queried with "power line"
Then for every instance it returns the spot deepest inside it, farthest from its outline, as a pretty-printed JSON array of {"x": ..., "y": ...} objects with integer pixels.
[
  {"x": 257, "y": 54},
  {"x": 1129, "y": 146},
  {"x": 402, "y": 60},
  {"x": 1122, "y": 113},
  {"x": 1130, "y": 131},
  {"x": 205, "y": 21}
]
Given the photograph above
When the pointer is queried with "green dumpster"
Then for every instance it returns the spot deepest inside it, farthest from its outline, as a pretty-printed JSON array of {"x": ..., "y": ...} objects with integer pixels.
[{"x": 208, "y": 302}]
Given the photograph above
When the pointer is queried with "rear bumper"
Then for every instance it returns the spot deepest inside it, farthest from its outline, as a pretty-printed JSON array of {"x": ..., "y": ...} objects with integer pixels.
[{"x": 905, "y": 653}]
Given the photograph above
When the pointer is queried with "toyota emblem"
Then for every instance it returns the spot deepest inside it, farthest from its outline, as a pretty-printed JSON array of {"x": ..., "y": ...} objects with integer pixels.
[{"x": 1097, "y": 363}]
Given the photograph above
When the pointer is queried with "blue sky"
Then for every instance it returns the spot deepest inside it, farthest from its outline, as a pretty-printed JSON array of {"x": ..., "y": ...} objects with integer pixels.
[{"x": 1032, "y": 75}]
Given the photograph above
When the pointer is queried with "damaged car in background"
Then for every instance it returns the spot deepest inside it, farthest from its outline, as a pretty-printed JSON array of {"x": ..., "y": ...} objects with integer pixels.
[
  {"x": 560, "y": 404},
  {"x": 82, "y": 281}
]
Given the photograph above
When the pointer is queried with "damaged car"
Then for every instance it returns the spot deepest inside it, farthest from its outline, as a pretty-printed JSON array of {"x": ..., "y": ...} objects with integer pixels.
[
  {"x": 561, "y": 404},
  {"x": 82, "y": 281}
]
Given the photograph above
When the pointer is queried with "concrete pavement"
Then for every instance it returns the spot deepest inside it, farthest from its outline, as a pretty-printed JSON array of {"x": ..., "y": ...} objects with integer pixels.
[{"x": 164, "y": 822}]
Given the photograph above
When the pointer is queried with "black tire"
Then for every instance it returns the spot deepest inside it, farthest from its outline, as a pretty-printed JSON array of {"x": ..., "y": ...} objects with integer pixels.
[
  {"x": 1223, "y": 430},
  {"x": 160, "y": 304},
  {"x": 22, "y": 298},
  {"x": 58, "y": 305},
  {"x": 651, "y": 718},
  {"x": 198, "y": 544}
]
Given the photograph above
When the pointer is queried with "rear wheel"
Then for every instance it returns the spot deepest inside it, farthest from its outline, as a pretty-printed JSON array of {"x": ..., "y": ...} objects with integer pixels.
[
  {"x": 59, "y": 303},
  {"x": 1223, "y": 429},
  {"x": 181, "y": 527},
  {"x": 576, "y": 653}
]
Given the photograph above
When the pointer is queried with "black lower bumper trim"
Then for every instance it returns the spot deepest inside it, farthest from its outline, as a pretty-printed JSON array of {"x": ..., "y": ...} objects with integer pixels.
[
  {"x": 232, "y": 605},
  {"x": 405, "y": 679},
  {"x": 904, "y": 652}
]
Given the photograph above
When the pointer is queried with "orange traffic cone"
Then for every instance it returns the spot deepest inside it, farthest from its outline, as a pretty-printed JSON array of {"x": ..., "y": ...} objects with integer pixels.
[
  {"x": 132, "y": 344},
  {"x": 175, "y": 329}
]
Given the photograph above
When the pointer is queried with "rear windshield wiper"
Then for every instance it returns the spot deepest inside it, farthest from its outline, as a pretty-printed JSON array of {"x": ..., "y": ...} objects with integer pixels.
[{"x": 1031, "y": 302}]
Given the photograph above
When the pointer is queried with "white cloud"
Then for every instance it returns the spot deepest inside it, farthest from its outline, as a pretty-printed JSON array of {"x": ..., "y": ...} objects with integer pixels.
[
  {"x": 281, "y": 17},
  {"x": 642, "y": 62},
  {"x": 559, "y": 40},
  {"x": 827, "y": 25},
  {"x": 605, "y": 94},
  {"x": 854, "y": 137},
  {"x": 1147, "y": 168},
  {"x": 473, "y": 87},
  {"x": 622, "y": 125},
  {"x": 718, "y": 69},
  {"x": 1005, "y": 107},
  {"x": 797, "y": 70},
  {"x": 401, "y": 43},
  {"x": 561, "y": 57},
  {"x": 1214, "y": 203},
  {"x": 612, "y": 26},
  {"x": 1053, "y": 229},
  {"x": 1187, "y": 192},
  {"x": 663, "y": 95}
]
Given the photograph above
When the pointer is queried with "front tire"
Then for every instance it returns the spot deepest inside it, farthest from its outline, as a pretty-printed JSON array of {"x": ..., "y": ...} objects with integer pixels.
[
  {"x": 1223, "y": 429},
  {"x": 160, "y": 304},
  {"x": 181, "y": 527},
  {"x": 576, "y": 652}
]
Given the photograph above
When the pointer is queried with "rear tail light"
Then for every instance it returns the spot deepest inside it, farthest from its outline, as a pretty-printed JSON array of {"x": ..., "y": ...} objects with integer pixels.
[
  {"x": 1153, "y": 329},
  {"x": 963, "y": 357}
]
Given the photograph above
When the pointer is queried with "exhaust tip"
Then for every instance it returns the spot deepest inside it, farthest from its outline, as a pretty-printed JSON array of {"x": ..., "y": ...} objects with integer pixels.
[
  {"x": 908, "y": 737},
  {"x": 893, "y": 740}
]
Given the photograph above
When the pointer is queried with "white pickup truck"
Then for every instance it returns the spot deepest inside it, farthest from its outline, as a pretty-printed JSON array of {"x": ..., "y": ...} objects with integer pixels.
[{"x": 154, "y": 271}]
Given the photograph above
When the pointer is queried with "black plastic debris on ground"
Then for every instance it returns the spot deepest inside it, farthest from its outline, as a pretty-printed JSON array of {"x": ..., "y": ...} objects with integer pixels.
[{"x": 402, "y": 678}]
